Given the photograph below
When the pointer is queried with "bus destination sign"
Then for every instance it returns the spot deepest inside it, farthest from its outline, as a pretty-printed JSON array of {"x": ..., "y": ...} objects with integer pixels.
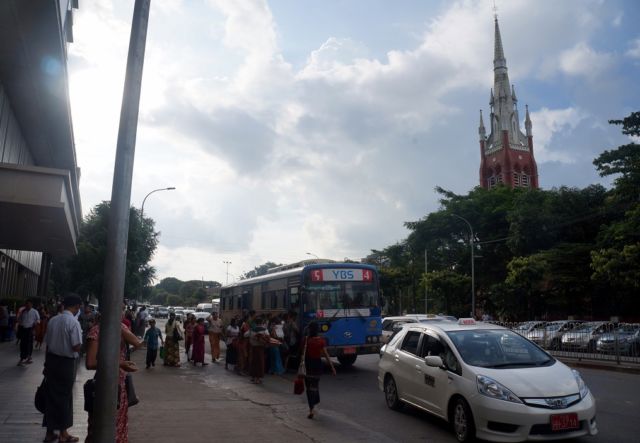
[{"x": 342, "y": 274}]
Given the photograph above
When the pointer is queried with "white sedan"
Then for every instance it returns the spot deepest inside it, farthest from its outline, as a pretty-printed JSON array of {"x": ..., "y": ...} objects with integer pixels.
[{"x": 487, "y": 381}]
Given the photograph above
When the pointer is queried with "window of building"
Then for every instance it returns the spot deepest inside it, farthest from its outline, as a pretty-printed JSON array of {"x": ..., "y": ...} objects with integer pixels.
[
  {"x": 516, "y": 179},
  {"x": 525, "y": 180}
]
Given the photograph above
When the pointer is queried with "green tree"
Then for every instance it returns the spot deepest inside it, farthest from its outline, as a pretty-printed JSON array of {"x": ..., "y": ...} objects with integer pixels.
[
  {"x": 170, "y": 284},
  {"x": 259, "y": 270},
  {"x": 84, "y": 273}
]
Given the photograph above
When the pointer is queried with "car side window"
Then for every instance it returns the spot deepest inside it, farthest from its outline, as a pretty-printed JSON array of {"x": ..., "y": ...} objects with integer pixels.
[
  {"x": 410, "y": 342},
  {"x": 431, "y": 346}
]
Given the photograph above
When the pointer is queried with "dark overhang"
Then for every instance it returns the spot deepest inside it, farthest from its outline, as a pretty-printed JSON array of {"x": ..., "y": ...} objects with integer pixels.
[{"x": 36, "y": 210}]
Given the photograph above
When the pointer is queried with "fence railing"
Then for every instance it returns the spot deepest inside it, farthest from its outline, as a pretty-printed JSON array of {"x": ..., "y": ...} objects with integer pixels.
[{"x": 605, "y": 341}]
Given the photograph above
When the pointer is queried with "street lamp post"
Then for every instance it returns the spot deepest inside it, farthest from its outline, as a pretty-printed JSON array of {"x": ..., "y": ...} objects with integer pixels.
[
  {"x": 473, "y": 278},
  {"x": 142, "y": 222},
  {"x": 309, "y": 253},
  {"x": 227, "y": 263},
  {"x": 155, "y": 190}
]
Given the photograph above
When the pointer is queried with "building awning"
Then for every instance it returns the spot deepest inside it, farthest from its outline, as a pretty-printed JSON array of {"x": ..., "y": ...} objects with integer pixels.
[{"x": 37, "y": 210}]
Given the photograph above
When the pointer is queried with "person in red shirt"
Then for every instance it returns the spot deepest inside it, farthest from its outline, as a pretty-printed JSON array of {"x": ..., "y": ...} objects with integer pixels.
[{"x": 315, "y": 348}]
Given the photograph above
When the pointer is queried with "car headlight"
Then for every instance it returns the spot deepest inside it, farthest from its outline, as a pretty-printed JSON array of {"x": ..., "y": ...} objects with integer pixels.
[
  {"x": 491, "y": 388},
  {"x": 582, "y": 386}
]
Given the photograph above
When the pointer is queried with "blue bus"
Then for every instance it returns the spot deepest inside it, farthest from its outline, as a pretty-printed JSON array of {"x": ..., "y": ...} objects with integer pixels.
[{"x": 343, "y": 298}]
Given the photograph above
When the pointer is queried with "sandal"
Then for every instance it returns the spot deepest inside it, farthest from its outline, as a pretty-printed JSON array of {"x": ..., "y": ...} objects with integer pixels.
[{"x": 70, "y": 438}]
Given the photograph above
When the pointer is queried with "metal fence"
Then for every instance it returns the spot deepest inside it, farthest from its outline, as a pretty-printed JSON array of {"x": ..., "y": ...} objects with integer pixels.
[{"x": 615, "y": 342}]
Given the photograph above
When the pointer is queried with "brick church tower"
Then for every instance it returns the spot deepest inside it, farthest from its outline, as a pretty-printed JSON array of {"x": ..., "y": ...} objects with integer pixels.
[{"x": 506, "y": 155}]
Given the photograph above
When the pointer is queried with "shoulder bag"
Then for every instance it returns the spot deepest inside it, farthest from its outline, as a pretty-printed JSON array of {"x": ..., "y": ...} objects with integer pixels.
[
  {"x": 302, "y": 369},
  {"x": 41, "y": 399}
]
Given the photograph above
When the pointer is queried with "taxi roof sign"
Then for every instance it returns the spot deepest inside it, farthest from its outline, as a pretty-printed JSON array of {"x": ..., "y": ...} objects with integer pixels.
[{"x": 466, "y": 321}]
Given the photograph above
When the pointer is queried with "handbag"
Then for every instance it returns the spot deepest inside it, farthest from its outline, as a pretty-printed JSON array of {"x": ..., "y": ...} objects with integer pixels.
[
  {"x": 89, "y": 389},
  {"x": 132, "y": 398},
  {"x": 176, "y": 334},
  {"x": 302, "y": 369},
  {"x": 162, "y": 352},
  {"x": 40, "y": 399},
  {"x": 298, "y": 386}
]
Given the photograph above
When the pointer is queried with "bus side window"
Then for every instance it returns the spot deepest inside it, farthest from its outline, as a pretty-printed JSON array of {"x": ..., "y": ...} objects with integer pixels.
[{"x": 294, "y": 301}]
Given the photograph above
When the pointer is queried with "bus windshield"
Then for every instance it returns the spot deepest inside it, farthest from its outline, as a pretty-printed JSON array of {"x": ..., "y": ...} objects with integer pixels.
[{"x": 341, "y": 295}]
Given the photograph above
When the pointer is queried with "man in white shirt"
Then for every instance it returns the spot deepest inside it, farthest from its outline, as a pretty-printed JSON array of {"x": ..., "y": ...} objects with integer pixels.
[
  {"x": 25, "y": 323},
  {"x": 64, "y": 340}
]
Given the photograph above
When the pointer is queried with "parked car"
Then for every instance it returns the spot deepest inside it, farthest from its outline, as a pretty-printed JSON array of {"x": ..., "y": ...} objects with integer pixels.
[
  {"x": 179, "y": 314},
  {"x": 585, "y": 336},
  {"x": 550, "y": 335},
  {"x": 162, "y": 312},
  {"x": 486, "y": 381},
  {"x": 391, "y": 325},
  {"x": 628, "y": 337},
  {"x": 525, "y": 327},
  {"x": 204, "y": 315}
]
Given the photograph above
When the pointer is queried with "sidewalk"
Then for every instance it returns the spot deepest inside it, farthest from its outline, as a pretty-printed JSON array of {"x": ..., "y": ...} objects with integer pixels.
[
  {"x": 192, "y": 404},
  {"x": 20, "y": 422}
]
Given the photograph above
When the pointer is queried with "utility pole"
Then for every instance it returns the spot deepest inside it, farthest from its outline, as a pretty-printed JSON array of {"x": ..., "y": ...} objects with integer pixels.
[
  {"x": 227, "y": 263},
  {"x": 117, "y": 236},
  {"x": 473, "y": 277},
  {"x": 426, "y": 290}
]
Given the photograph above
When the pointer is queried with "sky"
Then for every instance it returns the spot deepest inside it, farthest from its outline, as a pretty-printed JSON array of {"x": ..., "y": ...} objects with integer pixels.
[{"x": 294, "y": 129}]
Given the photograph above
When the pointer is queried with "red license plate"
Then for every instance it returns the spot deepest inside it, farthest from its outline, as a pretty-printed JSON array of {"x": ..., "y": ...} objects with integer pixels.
[
  {"x": 563, "y": 422},
  {"x": 351, "y": 350}
]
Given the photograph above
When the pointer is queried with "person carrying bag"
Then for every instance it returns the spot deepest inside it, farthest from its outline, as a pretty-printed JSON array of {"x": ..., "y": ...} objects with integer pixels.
[{"x": 315, "y": 347}]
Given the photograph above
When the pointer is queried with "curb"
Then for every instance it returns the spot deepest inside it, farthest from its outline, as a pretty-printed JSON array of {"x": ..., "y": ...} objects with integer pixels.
[{"x": 602, "y": 366}]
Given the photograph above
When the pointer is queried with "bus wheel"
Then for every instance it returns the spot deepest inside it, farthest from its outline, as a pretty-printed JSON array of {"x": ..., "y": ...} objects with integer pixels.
[{"x": 347, "y": 360}]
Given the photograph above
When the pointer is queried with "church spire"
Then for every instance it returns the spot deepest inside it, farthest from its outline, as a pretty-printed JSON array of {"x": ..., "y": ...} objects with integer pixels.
[
  {"x": 506, "y": 152},
  {"x": 498, "y": 51},
  {"x": 527, "y": 121},
  {"x": 502, "y": 86}
]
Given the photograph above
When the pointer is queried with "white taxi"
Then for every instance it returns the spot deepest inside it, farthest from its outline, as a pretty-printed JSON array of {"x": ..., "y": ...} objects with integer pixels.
[{"x": 487, "y": 381}]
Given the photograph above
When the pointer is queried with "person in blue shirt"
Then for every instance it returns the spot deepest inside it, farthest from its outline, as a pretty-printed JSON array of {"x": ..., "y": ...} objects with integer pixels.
[{"x": 151, "y": 339}]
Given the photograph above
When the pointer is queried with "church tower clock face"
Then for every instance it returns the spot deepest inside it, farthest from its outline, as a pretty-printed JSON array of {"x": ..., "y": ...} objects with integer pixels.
[{"x": 506, "y": 154}]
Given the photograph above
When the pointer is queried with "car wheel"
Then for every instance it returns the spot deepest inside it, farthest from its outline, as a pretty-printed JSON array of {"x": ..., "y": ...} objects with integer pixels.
[
  {"x": 347, "y": 360},
  {"x": 462, "y": 421},
  {"x": 391, "y": 394}
]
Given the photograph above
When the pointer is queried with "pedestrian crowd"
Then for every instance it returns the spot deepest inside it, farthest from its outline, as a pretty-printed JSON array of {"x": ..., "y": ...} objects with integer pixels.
[{"x": 255, "y": 345}]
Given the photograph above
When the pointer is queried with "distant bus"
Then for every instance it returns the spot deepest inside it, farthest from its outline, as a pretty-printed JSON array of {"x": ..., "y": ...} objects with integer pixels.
[
  {"x": 343, "y": 298},
  {"x": 208, "y": 307}
]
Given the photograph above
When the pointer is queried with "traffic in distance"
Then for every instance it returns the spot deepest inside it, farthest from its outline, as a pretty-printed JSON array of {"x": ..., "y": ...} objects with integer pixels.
[{"x": 489, "y": 381}]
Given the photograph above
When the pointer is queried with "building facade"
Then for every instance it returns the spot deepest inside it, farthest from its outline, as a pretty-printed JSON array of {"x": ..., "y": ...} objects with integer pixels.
[
  {"x": 506, "y": 155},
  {"x": 39, "y": 194}
]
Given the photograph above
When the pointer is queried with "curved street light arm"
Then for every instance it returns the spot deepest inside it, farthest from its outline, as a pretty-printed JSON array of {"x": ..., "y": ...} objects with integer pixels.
[{"x": 155, "y": 190}]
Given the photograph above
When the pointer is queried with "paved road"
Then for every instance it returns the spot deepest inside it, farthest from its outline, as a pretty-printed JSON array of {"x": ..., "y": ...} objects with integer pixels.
[
  {"x": 354, "y": 393},
  {"x": 203, "y": 404}
]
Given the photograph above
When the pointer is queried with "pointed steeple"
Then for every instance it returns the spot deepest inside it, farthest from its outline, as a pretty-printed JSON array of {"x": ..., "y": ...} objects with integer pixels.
[
  {"x": 513, "y": 94},
  {"x": 498, "y": 51},
  {"x": 527, "y": 122},
  {"x": 501, "y": 85},
  {"x": 481, "y": 129}
]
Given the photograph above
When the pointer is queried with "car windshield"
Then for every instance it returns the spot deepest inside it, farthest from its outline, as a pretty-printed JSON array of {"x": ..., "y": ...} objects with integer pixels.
[
  {"x": 347, "y": 295},
  {"x": 627, "y": 329},
  {"x": 525, "y": 326},
  {"x": 586, "y": 327},
  {"x": 553, "y": 326},
  {"x": 498, "y": 348}
]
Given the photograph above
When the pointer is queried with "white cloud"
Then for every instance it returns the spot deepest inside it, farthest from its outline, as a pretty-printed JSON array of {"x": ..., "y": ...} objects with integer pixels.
[
  {"x": 547, "y": 123},
  {"x": 582, "y": 60},
  {"x": 634, "y": 49},
  {"x": 330, "y": 158}
]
